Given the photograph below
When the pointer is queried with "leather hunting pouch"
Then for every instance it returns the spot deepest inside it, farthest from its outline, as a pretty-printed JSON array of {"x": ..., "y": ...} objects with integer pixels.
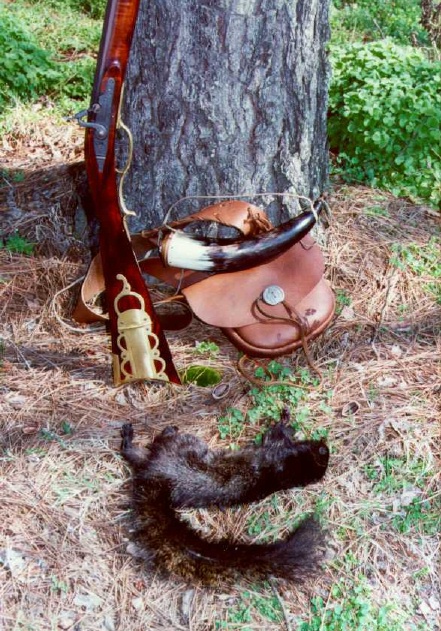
[{"x": 267, "y": 310}]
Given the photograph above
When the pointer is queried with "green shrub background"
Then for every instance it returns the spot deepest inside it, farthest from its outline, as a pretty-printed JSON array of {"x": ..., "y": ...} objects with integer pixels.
[
  {"x": 368, "y": 20},
  {"x": 26, "y": 70},
  {"x": 48, "y": 50},
  {"x": 385, "y": 118},
  {"x": 385, "y": 95}
]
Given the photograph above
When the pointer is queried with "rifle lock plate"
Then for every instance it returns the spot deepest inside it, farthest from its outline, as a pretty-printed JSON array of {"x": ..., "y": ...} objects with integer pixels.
[{"x": 102, "y": 111}]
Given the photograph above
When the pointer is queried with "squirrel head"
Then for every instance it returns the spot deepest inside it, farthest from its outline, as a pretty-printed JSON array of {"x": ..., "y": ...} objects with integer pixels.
[{"x": 294, "y": 463}]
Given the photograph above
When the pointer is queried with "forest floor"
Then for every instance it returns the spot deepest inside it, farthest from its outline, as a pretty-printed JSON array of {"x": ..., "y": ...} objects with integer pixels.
[{"x": 65, "y": 553}]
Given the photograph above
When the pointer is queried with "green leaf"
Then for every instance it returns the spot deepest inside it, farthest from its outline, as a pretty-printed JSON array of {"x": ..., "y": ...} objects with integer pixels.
[{"x": 201, "y": 376}]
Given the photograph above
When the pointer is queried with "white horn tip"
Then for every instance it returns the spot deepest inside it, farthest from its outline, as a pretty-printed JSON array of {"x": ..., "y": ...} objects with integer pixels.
[{"x": 179, "y": 249}]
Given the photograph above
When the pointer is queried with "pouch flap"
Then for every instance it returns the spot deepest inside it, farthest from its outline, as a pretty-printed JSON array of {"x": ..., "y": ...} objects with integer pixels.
[
  {"x": 226, "y": 300},
  {"x": 272, "y": 339}
]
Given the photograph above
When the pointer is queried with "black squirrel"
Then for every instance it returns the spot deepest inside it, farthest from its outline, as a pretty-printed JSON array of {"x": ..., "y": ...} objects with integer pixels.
[{"x": 178, "y": 470}]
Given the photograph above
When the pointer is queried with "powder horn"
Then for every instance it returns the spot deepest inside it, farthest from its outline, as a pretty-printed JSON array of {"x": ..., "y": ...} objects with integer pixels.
[{"x": 210, "y": 254}]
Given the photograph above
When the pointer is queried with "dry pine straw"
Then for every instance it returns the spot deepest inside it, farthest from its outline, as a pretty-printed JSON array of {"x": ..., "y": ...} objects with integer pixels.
[{"x": 64, "y": 553}]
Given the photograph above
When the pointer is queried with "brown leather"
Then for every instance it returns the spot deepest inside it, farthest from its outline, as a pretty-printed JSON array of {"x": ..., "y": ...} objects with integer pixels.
[
  {"x": 245, "y": 217},
  {"x": 228, "y": 300},
  {"x": 225, "y": 300},
  {"x": 174, "y": 276},
  {"x": 272, "y": 339},
  {"x": 91, "y": 288}
]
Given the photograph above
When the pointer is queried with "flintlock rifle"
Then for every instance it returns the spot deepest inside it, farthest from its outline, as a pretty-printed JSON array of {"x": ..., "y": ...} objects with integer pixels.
[{"x": 139, "y": 347}]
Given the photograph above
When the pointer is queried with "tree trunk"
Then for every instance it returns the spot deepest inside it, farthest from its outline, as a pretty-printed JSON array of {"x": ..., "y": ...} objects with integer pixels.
[
  {"x": 226, "y": 98},
  {"x": 431, "y": 20}
]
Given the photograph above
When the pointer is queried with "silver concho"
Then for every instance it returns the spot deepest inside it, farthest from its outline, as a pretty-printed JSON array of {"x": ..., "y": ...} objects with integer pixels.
[{"x": 273, "y": 295}]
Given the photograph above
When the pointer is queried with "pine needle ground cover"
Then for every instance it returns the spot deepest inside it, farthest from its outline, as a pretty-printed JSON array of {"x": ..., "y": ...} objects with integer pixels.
[{"x": 66, "y": 561}]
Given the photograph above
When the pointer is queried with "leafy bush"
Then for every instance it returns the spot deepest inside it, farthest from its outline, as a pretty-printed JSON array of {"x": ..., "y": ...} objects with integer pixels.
[
  {"x": 16, "y": 244},
  {"x": 75, "y": 83},
  {"x": 351, "y": 606},
  {"x": 385, "y": 118},
  {"x": 26, "y": 70},
  {"x": 92, "y": 8},
  {"x": 48, "y": 50},
  {"x": 377, "y": 19}
]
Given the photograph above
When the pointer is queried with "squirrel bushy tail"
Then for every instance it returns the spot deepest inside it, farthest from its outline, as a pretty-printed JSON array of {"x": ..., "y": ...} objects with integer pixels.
[{"x": 167, "y": 477}]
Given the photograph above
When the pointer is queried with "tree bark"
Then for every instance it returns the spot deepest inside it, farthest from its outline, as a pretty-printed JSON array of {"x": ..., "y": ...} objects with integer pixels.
[
  {"x": 226, "y": 97},
  {"x": 431, "y": 20}
]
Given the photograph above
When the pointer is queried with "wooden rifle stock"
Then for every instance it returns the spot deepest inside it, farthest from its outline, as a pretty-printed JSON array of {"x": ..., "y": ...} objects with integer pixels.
[{"x": 139, "y": 347}]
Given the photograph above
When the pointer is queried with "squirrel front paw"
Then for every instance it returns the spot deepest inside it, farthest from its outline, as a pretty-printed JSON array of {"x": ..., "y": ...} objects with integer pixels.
[{"x": 127, "y": 435}]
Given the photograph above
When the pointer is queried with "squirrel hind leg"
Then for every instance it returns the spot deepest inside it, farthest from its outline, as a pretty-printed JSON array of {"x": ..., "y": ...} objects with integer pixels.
[
  {"x": 285, "y": 415},
  {"x": 280, "y": 433},
  {"x": 281, "y": 430}
]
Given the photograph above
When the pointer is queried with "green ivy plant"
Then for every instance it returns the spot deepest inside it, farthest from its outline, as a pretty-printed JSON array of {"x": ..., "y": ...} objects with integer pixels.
[
  {"x": 16, "y": 244},
  {"x": 376, "y": 19},
  {"x": 350, "y": 607},
  {"x": 267, "y": 402},
  {"x": 385, "y": 118},
  {"x": 26, "y": 70},
  {"x": 48, "y": 51}
]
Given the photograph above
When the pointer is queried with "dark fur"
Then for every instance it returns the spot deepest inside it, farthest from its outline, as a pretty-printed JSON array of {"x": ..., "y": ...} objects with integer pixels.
[{"x": 180, "y": 471}]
